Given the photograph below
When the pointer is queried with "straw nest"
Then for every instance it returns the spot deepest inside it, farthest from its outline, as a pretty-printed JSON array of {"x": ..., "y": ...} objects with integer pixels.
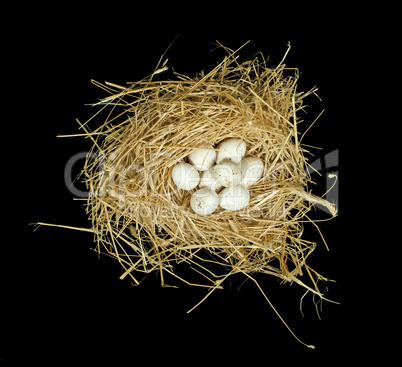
[{"x": 142, "y": 219}]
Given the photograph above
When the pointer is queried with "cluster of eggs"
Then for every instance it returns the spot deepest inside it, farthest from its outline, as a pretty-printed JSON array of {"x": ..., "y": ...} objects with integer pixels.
[{"x": 223, "y": 176}]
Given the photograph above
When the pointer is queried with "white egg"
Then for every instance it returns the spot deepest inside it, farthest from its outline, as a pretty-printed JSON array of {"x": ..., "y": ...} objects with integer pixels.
[
  {"x": 204, "y": 201},
  {"x": 185, "y": 176},
  {"x": 202, "y": 159},
  {"x": 227, "y": 173},
  {"x": 252, "y": 169},
  {"x": 234, "y": 198},
  {"x": 233, "y": 149},
  {"x": 207, "y": 179}
]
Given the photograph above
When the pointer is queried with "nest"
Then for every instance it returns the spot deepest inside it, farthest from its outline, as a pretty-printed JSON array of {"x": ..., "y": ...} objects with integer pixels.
[{"x": 143, "y": 220}]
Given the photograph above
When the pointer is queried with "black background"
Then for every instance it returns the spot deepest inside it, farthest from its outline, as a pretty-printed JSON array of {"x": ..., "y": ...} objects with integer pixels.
[{"x": 62, "y": 303}]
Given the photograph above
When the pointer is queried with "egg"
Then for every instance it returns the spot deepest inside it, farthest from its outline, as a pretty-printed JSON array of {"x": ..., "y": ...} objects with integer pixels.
[
  {"x": 202, "y": 159},
  {"x": 207, "y": 179},
  {"x": 204, "y": 201},
  {"x": 185, "y": 176},
  {"x": 234, "y": 198},
  {"x": 227, "y": 173},
  {"x": 233, "y": 149},
  {"x": 252, "y": 169}
]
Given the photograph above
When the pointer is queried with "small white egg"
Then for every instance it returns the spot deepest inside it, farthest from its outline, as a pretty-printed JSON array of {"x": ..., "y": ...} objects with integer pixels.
[
  {"x": 207, "y": 179},
  {"x": 202, "y": 159},
  {"x": 204, "y": 201},
  {"x": 227, "y": 173},
  {"x": 252, "y": 169},
  {"x": 233, "y": 149},
  {"x": 234, "y": 198},
  {"x": 185, "y": 176}
]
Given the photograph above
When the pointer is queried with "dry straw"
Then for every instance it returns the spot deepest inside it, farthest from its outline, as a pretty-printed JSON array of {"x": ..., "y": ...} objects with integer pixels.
[{"x": 140, "y": 217}]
